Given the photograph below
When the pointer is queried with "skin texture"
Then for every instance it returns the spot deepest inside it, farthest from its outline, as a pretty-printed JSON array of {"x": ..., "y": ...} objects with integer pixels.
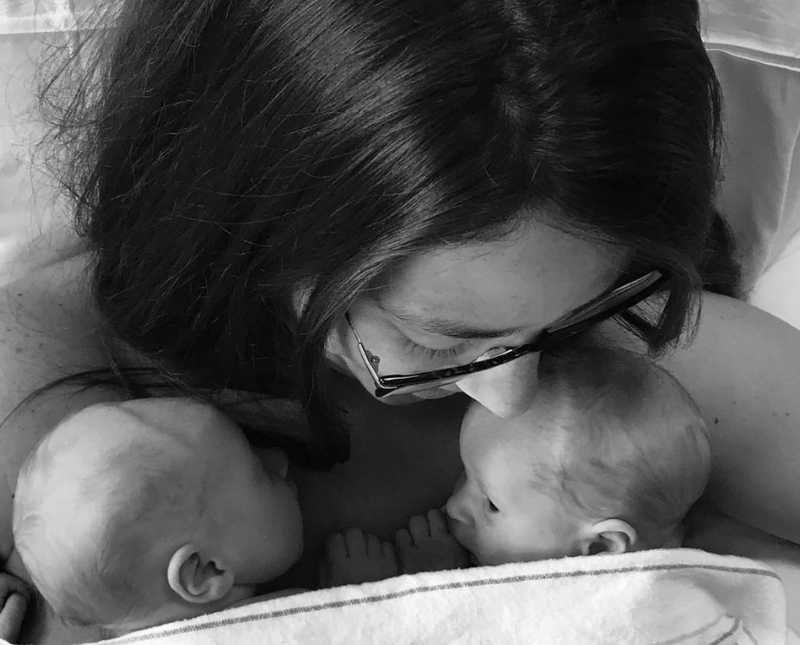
[{"x": 50, "y": 330}]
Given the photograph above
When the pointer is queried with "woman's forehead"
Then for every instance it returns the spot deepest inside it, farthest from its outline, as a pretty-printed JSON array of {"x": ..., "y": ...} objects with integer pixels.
[{"x": 524, "y": 282}]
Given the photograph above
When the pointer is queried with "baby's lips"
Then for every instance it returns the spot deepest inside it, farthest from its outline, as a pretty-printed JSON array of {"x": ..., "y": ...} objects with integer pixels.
[{"x": 451, "y": 522}]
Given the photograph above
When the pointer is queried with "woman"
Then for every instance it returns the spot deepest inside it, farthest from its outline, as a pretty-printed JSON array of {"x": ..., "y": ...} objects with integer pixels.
[{"x": 358, "y": 204}]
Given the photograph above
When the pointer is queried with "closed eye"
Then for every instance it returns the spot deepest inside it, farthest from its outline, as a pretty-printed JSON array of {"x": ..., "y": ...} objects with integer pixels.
[{"x": 430, "y": 353}]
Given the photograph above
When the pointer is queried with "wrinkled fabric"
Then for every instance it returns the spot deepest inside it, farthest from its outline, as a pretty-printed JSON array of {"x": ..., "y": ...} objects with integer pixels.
[
  {"x": 678, "y": 596},
  {"x": 761, "y": 29}
]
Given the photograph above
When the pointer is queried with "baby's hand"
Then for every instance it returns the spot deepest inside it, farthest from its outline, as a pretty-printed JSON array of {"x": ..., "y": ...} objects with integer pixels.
[
  {"x": 14, "y": 598},
  {"x": 354, "y": 557},
  {"x": 427, "y": 545}
]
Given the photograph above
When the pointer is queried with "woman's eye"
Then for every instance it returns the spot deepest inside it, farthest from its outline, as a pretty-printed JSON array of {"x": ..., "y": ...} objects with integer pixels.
[
  {"x": 490, "y": 505},
  {"x": 432, "y": 354}
]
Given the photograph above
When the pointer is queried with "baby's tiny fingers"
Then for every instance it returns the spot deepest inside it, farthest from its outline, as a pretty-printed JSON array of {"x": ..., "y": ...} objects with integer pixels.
[
  {"x": 356, "y": 542},
  {"x": 335, "y": 547},
  {"x": 373, "y": 546},
  {"x": 389, "y": 556},
  {"x": 388, "y": 552},
  {"x": 403, "y": 539},
  {"x": 418, "y": 527},
  {"x": 10, "y": 584},
  {"x": 437, "y": 522},
  {"x": 12, "y": 615}
]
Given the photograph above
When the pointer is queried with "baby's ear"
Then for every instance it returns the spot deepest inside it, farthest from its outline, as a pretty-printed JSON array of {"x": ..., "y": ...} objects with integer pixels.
[
  {"x": 609, "y": 536},
  {"x": 196, "y": 578}
]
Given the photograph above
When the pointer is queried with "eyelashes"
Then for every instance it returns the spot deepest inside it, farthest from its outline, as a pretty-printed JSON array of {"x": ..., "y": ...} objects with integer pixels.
[{"x": 431, "y": 354}]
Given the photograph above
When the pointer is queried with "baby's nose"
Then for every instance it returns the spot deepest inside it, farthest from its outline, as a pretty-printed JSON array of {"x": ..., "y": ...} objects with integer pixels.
[
  {"x": 456, "y": 508},
  {"x": 450, "y": 509}
]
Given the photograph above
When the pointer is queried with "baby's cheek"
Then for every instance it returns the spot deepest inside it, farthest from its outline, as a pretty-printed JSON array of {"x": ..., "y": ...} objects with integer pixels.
[{"x": 488, "y": 538}]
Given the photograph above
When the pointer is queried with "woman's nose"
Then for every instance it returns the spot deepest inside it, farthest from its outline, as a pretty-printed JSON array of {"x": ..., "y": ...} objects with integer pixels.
[{"x": 506, "y": 390}]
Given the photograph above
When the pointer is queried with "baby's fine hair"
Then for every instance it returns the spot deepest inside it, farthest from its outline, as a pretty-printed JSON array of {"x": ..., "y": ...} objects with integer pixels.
[
  {"x": 629, "y": 441},
  {"x": 96, "y": 569}
]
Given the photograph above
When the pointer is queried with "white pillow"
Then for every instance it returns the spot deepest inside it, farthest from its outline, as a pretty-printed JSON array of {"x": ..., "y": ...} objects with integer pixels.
[
  {"x": 35, "y": 16},
  {"x": 755, "y": 48},
  {"x": 767, "y": 30}
]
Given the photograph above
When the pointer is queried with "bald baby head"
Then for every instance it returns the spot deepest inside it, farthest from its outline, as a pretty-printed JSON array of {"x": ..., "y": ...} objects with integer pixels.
[{"x": 113, "y": 482}]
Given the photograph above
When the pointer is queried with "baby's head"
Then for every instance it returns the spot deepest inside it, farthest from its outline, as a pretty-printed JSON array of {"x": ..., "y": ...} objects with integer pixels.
[
  {"x": 609, "y": 458},
  {"x": 131, "y": 514}
]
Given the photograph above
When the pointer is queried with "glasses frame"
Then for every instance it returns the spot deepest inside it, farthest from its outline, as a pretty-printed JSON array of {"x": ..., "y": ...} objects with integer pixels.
[{"x": 548, "y": 337}]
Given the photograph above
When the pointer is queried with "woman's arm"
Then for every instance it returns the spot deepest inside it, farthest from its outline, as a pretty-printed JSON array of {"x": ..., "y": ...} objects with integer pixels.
[{"x": 743, "y": 369}]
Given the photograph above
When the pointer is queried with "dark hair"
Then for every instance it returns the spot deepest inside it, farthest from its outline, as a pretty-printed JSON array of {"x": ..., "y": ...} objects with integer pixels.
[{"x": 225, "y": 153}]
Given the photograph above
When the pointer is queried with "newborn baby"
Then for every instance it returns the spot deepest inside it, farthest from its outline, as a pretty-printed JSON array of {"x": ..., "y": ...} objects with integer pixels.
[
  {"x": 133, "y": 514},
  {"x": 609, "y": 459}
]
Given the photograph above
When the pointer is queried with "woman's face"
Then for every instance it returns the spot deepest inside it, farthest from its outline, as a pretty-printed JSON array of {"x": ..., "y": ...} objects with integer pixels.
[{"x": 449, "y": 306}]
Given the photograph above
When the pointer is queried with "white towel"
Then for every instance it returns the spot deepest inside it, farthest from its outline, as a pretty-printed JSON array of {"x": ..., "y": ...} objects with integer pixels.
[{"x": 683, "y": 596}]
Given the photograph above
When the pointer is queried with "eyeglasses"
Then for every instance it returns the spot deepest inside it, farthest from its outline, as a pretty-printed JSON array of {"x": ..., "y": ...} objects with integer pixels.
[{"x": 606, "y": 306}]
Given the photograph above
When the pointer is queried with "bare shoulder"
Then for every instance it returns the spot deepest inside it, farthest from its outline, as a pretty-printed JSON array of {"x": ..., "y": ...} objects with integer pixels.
[
  {"x": 741, "y": 368},
  {"x": 48, "y": 329}
]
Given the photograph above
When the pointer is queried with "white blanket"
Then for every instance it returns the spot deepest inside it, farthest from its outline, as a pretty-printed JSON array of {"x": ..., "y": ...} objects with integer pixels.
[{"x": 676, "y": 596}]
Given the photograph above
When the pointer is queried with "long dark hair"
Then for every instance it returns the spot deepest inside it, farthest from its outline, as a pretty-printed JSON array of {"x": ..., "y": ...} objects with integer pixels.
[{"x": 227, "y": 155}]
